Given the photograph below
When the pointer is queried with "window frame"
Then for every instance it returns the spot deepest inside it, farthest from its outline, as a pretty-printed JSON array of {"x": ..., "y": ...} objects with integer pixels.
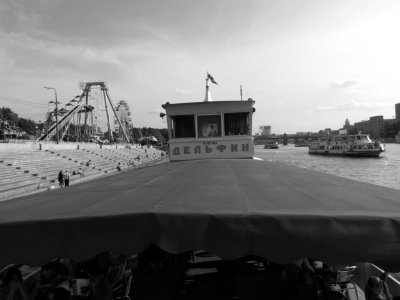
[
  {"x": 209, "y": 127},
  {"x": 246, "y": 129},
  {"x": 182, "y": 129}
]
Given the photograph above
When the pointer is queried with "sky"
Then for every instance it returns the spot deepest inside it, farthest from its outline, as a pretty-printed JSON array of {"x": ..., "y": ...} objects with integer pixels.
[{"x": 308, "y": 64}]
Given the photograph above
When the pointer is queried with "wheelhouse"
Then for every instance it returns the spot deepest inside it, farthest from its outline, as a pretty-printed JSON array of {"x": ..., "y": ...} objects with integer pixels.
[
  {"x": 218, "y": 129},
  {"x": 364, "y": 138}
]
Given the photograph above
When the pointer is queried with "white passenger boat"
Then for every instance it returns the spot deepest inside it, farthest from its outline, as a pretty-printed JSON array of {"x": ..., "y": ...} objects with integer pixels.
[{"x": 347, "y": 145}]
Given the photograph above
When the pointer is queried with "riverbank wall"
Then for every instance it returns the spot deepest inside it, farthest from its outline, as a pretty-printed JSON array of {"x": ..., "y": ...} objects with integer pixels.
[{"x": 30, "y": 146}]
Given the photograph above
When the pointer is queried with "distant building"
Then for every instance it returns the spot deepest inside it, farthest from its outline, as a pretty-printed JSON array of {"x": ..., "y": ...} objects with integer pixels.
[
  {"x": 265, "y": 130},
  {"x": 347, "y": 124},
  {"x": 374, "y": 126},
  {"x": 303, "y": 133}
]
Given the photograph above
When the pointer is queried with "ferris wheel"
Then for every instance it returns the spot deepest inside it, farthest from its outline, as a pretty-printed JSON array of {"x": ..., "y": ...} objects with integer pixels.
[{"x": 124, "y": 114}]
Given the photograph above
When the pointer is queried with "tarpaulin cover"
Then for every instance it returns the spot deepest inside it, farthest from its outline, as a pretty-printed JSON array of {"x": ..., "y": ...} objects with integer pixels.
[{"x": 231, "y": 208}]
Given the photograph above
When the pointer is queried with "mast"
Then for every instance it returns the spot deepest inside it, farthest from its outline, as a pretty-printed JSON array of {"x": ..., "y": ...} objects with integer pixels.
[{"x": 208, "y": 94}]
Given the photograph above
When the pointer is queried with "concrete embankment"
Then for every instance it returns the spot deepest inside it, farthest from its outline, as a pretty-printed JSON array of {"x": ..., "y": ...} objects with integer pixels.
[
  {"x": 28, "y": 168},
  {"x": 26, "y": 146}
]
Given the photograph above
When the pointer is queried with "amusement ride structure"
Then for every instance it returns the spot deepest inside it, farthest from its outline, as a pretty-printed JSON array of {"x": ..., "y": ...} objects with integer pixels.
[
  {"x": 87, "y": 117},
  {"x": 124, "y": 114}
]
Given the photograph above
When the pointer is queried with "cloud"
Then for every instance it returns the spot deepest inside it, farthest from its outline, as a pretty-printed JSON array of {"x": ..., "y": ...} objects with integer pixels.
[
  {"x": 182, "y": 92},
  {"x": 102, "y": 22},
  {"x": 352, "y": 106},
  {"x": 343, "y": 84},
  {"x": 21, "y": 52}
]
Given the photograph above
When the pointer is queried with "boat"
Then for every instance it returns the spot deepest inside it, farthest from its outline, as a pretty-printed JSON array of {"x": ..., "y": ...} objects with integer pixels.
[
  {"x": 204, "y": 199},
  {"x": 344, "y": 144},
  {"x": 271, "y": 145}
]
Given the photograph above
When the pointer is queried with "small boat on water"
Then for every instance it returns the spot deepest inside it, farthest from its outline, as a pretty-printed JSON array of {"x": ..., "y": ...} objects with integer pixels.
[
  {"x": 271, "y": 145},
  {"x": 347, "y": 145}
]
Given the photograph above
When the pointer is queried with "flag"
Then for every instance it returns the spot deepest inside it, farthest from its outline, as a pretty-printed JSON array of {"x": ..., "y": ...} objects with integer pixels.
[{"x": 211, "y": 78}]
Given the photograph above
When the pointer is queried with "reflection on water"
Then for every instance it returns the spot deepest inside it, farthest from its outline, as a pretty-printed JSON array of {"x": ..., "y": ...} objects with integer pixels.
[{"x": 383, "y": 170}]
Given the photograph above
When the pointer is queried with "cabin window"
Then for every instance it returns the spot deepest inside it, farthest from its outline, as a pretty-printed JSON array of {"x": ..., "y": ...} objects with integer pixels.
[
  {"x": 236, "y": 124},
  {"x": 183, "y": 126},
  {"x": 209, "y": 126}
]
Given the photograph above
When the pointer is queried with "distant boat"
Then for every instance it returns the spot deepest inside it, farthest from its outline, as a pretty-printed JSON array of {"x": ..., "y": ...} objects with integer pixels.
[
  {"x": 347, "y": 145},
  {"x": 271, "y": 145},
  {"x": 147, "y": 140}
]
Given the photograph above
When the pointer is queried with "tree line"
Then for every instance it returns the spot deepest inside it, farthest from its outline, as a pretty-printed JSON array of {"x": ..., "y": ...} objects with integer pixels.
[{"x": 9, "y": 120}]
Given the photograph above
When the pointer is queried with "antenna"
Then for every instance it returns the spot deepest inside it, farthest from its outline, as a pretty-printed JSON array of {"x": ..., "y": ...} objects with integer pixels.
[
  {"x": 241, "y": 93},
  {"x": 208, "y": 94}
]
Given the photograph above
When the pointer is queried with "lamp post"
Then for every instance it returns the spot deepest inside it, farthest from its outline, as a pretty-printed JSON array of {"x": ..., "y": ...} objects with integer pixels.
[
  {"x": 3, "y": 128},
  {"x": 2, "y": 123},
  {"x": 55, "y": 93}
]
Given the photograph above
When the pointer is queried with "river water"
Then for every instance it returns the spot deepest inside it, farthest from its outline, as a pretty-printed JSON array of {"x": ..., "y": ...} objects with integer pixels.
[{"x": 383, "y": 170}]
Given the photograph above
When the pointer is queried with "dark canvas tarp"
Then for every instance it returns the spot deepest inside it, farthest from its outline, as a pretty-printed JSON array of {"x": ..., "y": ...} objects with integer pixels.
[{"x": 229, "y": 207}]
